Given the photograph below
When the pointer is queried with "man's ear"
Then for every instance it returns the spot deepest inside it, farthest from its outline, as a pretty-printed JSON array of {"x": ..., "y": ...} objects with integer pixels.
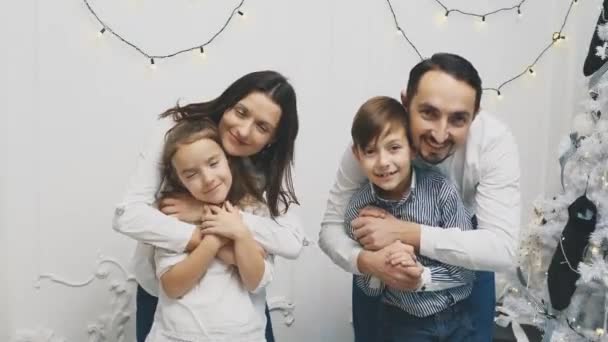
[{"x": 403, "y": 97}]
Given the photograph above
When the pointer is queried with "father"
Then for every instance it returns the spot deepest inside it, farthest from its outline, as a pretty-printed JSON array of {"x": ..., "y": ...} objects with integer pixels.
[{"x": 472, "y": 148}]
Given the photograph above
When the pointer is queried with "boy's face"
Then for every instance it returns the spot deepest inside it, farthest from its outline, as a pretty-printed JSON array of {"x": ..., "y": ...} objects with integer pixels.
[
  {"x": 386, "y": 162},
  {"x": 203, "y": 169}
]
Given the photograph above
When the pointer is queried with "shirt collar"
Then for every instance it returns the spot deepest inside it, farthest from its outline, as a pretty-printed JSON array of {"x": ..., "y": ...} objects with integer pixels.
[{"x": 405, "y": 196}]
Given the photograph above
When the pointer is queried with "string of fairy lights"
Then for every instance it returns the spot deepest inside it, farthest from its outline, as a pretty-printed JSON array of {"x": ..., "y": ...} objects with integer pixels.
[
  {"x": 199, "y": 48},
  {"x": 483, "y": 17},
  {"x": 517, "y": 8}
]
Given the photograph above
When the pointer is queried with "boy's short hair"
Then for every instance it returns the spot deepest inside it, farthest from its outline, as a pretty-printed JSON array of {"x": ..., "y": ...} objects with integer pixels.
[{"x": 373, "y": 117}]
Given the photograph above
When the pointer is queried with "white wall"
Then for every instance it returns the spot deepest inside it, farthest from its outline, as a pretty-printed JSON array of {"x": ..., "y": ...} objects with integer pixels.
[{"x": 76, "y": 109}]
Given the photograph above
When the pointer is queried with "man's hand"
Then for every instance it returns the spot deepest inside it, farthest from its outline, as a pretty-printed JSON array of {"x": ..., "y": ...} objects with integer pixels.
[
  {"x": 406, "y": 274},
  {"x": 182, "y": 206},
  {"x": 375, "y": 229}
]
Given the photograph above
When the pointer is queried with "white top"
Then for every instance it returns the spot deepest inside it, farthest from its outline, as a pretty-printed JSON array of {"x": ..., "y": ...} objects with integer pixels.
[
  {"x": 137, "y": 217},
  {"x": 217, "y": 309},
  {"x": 486, "y": 173}
]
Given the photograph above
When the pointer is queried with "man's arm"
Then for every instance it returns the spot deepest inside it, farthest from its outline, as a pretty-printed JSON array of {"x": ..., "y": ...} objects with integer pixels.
[
  {"x": 333, "y": 239},
  {"x": 136, "y": 215},
  {"x": 492, "y": 246}
]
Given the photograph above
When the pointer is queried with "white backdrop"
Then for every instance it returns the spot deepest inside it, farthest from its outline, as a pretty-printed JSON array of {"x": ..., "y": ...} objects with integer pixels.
[{"x": 76, "y": 109}]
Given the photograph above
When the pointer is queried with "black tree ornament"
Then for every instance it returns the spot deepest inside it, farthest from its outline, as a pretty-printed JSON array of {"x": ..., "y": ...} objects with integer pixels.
[
  {"x": 563, "y": 274},
  {"x": 598, "y": 49}
]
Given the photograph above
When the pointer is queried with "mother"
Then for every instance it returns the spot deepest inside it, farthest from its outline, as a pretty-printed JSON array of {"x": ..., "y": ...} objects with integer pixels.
[{"x": 258, "y": 120}]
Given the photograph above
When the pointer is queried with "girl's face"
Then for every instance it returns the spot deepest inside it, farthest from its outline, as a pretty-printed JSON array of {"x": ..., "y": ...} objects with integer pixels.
[
  {"x": 203, "y": 169},
  {"x": 250, "y": 125}
]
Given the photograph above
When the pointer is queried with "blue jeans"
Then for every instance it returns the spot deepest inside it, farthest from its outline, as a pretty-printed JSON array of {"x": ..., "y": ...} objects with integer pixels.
[
  {"x": 368, "y": 312},
  {"x": 144, "y": 316},
  {"x": 367, "y": 316},
  {"x": 453, "y": 324},
  {"x": 482, "y": 306}
]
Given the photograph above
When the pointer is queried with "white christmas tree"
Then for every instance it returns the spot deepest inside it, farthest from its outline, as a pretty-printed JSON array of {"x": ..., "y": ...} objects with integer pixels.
[{"x": 551, "y": 261}]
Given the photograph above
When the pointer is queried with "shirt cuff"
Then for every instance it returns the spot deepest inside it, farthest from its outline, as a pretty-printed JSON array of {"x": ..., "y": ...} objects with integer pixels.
[
  {"x": 429, "y": 236},
  {"x": 426, "y": 279},
  {"x": 354, "y": 257}
]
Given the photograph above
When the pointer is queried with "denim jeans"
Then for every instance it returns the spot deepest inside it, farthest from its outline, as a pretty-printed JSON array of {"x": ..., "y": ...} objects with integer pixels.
[
  {"x": 482, "y": 306},
  {"x": 146, "y": 306},
  {"x": 453, "y": 324},
  {"x": 368, "y": 313}
]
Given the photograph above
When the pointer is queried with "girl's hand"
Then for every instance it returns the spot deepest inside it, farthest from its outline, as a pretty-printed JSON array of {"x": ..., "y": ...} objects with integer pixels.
[
  {"x": 184, "y": 207},
  {"x": 226, "y": 222},
  {"x": 226, "y": 254}
]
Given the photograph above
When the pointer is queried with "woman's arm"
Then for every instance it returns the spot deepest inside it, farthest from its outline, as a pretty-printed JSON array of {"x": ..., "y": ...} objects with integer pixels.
[
  {"x": 136, "y": 216},
  {"x": 178, "y": 279},
  {"x": 282, "y": 236}
]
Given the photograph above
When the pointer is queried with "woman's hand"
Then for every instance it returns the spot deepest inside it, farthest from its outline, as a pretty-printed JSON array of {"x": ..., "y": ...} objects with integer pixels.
[
  {"x": 184, "y": 207},
  {"x": 226, "y": 222}
]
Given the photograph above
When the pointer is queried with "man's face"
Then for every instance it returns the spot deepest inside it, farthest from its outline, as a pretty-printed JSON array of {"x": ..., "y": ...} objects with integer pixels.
[{"x": 441, "y": 113}]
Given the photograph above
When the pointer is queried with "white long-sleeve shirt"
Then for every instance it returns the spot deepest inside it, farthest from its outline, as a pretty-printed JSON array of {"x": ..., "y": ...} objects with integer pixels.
[
  {"x": 137, "y": 217},
  {"x": 486, "y": 173}
]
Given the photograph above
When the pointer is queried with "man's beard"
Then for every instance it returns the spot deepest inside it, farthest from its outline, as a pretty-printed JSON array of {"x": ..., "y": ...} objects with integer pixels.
[{"x": 435, "y": 158}]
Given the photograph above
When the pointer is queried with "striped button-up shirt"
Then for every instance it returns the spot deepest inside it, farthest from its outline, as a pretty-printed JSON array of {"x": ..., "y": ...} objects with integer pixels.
[{"x": 434, "y": 201}]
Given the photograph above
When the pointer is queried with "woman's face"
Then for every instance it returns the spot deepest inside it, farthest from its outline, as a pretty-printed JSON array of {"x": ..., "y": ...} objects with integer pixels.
[
  {"x": 203, "y": 169},
  {"x": 250, "y": 125}
]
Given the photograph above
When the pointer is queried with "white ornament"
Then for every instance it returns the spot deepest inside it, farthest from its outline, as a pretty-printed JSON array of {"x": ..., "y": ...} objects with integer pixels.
[
  {"x": 602, "y": 31},
  {"x": 602, "y": 126},
  {"x": 600, "y": 51},
  {"x": 583, "y": 124}
]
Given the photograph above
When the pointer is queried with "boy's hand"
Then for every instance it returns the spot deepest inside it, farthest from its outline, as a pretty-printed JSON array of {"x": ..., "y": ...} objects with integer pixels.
[
  {"x": 404, "y": 258},
  {"x": 398, "y": 277}
]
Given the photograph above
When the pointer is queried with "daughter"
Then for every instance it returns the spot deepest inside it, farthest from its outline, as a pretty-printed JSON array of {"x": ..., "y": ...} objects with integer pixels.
[{"x": 204, "y": 298}]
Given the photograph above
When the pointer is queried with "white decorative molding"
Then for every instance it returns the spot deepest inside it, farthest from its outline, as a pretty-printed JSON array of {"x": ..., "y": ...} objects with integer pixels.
[
  {"x": 40, "y": 335},
  {"x": 284, "y": 305},
  {"x": 107, "y": 327}
]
